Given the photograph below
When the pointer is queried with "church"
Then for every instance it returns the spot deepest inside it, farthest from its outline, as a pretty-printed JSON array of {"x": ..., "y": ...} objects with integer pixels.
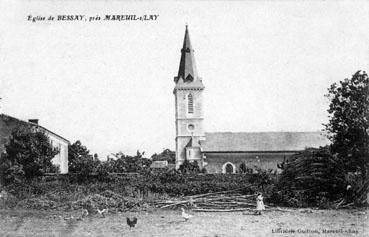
[{"x": 224, "y": 152}]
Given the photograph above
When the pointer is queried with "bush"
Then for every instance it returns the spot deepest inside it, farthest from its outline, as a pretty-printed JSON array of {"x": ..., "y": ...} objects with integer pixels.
[
  {"x": 37, "y": 203},
  {"x": 84, "y": 167},
  {"x": 165, "y": 155},
  {"x": 188, "y": 167},
  {"x": 124, "y": 192},
  {"x": 244, "y": 169},
  {"x": 175, "y": 183},
  {"x": 261, "y": 177},
  {"x": 10, "y": 172}
]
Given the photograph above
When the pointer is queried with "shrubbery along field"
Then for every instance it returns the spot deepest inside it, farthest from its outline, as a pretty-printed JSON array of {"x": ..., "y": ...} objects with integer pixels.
[{"x": 124, "y": 191}]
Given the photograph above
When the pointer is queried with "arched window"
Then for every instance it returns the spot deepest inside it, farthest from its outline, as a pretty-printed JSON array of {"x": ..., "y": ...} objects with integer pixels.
[
  {"x": 190, "y": 104},
  {"x": 228, "y": 168}
]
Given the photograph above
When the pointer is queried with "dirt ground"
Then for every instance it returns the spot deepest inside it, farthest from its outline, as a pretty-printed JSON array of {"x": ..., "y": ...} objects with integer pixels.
[{"x": 290, "y": 222}]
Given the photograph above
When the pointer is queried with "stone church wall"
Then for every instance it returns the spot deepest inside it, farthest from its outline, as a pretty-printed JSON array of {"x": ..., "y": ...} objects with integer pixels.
[{"x": 264, "y": 160}]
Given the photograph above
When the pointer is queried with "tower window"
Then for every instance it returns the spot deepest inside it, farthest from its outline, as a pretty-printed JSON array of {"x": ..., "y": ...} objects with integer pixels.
[{"x": 190, "y": 104}]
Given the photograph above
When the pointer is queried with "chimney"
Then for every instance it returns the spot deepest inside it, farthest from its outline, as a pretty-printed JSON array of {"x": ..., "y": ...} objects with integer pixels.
[{"x": 35, "y": 121}]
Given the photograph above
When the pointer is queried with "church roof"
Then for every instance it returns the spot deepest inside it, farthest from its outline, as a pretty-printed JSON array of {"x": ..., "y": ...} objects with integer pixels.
[
  {"x": 187, "y": 65},
  {"x": 262, "y": 141},
  {"x": 187, "y": 72}
]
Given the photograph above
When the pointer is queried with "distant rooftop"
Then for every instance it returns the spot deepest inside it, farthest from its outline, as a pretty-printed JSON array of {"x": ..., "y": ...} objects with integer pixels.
[
  {"x": 159, "y": 164},
  {"x": 262, "y": 141}
]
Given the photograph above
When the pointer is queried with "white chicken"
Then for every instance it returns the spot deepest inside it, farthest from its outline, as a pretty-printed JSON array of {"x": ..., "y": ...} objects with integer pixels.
[
  {"x": 102, "y": 212},
  {"x": 185, "y": 215}
]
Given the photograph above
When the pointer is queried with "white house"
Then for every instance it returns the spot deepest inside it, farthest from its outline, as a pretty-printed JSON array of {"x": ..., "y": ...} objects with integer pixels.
[{"x": 8, "y": 124}]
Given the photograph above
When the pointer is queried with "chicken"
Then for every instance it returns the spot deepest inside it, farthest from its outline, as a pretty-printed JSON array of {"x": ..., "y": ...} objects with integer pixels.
[
  {"x": 69, "y": 218},
  {"x": 185, "y": 215},
  {"x": 102, "y": 212},
  {"x": 84, "y": 213},
  {"x": 132, "y": 222},
  {"x": 191, "y": 202}
]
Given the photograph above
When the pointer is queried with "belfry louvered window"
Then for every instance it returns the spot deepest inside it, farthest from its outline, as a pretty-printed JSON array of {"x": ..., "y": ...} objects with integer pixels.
[{"x": 190, "y": 104}]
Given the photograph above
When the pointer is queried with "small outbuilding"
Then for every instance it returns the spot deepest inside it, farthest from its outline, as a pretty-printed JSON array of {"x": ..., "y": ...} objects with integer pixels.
[{"x": 161, "y": 164}]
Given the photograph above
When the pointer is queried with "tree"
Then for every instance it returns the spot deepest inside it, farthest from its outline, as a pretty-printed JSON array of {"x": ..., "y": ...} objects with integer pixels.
[
  {"x": 28, "y": 150},
  {"x": 167, "y": 155},
  {"x": 77, "y": 153},
  {"x": 130, "y": 164},
  {"x": 80, "y": 160},
  {"x": 188, "y": 167},
  {"x": 348, "y": 126},
  {"x": 85, "y": 165}
]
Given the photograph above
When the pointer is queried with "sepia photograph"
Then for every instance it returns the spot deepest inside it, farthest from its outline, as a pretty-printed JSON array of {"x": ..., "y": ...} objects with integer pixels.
[{"x": 184, "y": 118}]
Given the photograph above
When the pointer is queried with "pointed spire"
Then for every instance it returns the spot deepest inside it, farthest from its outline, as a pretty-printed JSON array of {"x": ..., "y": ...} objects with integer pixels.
[{"x": 187, "y": 67}]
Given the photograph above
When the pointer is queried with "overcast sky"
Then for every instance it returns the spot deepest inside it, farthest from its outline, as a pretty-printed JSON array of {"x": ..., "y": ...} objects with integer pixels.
[{"x": 265, "y": 65}]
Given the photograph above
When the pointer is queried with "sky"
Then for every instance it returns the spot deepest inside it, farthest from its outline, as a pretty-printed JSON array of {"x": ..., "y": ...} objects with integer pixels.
[{"x": 266, "y": 66}]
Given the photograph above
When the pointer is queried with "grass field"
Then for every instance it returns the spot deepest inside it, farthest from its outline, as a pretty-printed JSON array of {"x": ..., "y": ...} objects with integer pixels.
[{"x": 297, "y": 222}]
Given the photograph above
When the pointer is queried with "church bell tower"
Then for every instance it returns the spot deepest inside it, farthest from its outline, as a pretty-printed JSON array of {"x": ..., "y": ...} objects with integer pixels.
[{"x": 188, "y": 93}]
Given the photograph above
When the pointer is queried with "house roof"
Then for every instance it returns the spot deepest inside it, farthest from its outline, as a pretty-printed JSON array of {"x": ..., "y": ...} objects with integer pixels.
[
  {"x": 5, "y": 116},
  {"x": 262, "y": 141}
]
